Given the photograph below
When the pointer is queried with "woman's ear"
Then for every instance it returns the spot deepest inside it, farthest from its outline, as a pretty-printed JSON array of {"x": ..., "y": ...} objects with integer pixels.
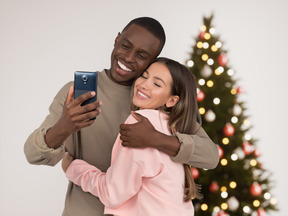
[
  {"x": 172, "y": 100},
  {"x": 116, "y": 39}
]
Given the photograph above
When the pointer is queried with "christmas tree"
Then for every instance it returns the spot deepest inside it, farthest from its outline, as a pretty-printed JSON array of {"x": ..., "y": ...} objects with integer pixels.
[{"x": 238, "y": 185}]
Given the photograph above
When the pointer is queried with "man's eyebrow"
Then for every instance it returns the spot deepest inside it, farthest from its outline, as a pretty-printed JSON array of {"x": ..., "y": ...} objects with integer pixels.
[{"x": 141, "y": 50}]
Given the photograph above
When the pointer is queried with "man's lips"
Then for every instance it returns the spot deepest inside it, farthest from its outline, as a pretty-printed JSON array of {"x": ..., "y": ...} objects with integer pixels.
[{"x": 123, "y": 66}]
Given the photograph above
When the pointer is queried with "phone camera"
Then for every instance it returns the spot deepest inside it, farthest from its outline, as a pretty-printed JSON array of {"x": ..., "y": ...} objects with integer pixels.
[{"x": 84, "y": 78}]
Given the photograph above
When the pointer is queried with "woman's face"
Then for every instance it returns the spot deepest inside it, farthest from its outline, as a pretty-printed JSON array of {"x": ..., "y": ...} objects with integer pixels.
[{"x": 153, "y": 88}]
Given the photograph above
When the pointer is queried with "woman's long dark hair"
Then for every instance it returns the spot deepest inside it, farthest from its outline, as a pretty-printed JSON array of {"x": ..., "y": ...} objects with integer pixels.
[{"x": 183, "y": 116}]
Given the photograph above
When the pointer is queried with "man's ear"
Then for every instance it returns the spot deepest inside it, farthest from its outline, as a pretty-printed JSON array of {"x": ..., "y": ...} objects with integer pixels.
[
  {"x": 172, "y": 101},
  {"x": 116, "y": 39}
]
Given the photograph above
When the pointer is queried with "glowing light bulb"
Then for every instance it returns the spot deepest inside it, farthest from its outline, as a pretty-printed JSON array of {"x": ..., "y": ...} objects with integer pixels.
[
  {"x": 212, "y": 30},
  {"x": 216, "y": 101},
  {"x": 267, "y": 196},
  {"x": 223, "y": 188},
  {"x": 234, "y": 119},
  {"x": 218, "y": 44},
  {"x": 190, "y": 63},
  {"x": 201, "y": 82},
  {"x": 204, "y": 207},
  {"x": 225, "y": 141},
  {"x": 224, "y": 162},
  {"x": 233, "y": 184},
  {"x": 230, "y": 72},
  {"x": 203, "y": 28},
  {"x": 210, "y": 61},
  {"x": 253, "y": 162},
  {"x": 224, "y": 206},
  {"x": 246, "y": 209},
  {"x": 205, "y": 45},
  {"x": 256, "y": 203},
  {"x": 210, "y": 83},
  {"x": 214, "y": 48},
  {"x": 207, "y": 36},
  {"x": 219, "y": 70},
  {"x": 234, "y": 157},
  {"x": 199, "y": 45},
  {"x": 202, "y": 110},
  {"x": 248, "y": 137},
  {"x": 205, "y": 57},
  {"x": 224, "y": 194},
  {"x": 233, "y": 91}
]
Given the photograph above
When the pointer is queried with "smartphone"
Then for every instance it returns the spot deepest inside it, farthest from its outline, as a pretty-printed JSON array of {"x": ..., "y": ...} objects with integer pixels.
[{"x": 85, "y": 82}]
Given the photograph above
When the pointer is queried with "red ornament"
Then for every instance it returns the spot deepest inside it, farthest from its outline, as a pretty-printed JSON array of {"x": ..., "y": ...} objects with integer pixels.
[
  {"x": 247, "y": 148},
  {"x": 255, "y": 189},
  {"x": 221, "y": 152},
  {"x": 222, "y": 59},
  {"x": 222, "y": 213},
  {"x": 229, "y": 130},
  {"x": 201, "y": 35},
  {"x": 214, "y": 187},
  {"x": 257, "y": 152},
  {"x": 240, "y": 90},
  {"x": 261, "y": 212},
  {"x": 200, "y": 96},
  {"x": 195, "y": 172}
]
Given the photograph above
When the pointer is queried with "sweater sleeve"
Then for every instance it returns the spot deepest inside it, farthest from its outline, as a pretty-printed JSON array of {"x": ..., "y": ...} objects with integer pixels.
[
  {"x": 197, "y": 150},
  {"x": 35, "y": 148},
  {"x": 122, "y": 180}
]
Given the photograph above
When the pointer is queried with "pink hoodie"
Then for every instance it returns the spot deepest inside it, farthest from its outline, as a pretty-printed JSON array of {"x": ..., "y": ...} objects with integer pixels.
[{"x": 139, "y": 181}]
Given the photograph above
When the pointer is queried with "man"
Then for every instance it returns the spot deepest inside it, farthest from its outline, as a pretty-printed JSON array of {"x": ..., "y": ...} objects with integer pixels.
[{"x": 69, "y": 127}]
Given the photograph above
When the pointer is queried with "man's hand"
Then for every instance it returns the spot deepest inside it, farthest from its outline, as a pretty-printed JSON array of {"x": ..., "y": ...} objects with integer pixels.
[
  {"x": 74, "y": 117},
  {"x": 142, "y": 134},
  {"x": 66, "y": 161},
  {"x": 137, "y": 135}
]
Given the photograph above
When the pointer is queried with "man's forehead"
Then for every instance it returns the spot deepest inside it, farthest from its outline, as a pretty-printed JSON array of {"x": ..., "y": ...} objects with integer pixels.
[{"x": 139, "y": 36}]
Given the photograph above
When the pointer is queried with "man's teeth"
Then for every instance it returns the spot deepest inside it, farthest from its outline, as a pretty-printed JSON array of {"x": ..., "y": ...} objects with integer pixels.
[
  {"x": 143, "y": 95},
  {"x": 122, "y": 66}
]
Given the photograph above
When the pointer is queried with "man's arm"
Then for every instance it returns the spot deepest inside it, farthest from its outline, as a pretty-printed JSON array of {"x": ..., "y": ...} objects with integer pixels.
[
  {"x": 197, "y": 150},
  {"x": 45, "y": 144}
]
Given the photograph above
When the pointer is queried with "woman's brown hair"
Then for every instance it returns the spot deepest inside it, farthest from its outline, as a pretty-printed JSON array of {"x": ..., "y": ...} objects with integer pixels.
[{"x": 184, "y": 114}]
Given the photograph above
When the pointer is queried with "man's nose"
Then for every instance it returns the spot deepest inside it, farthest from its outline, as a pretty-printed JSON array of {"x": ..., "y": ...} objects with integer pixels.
[{"x": 129, "y": 56}]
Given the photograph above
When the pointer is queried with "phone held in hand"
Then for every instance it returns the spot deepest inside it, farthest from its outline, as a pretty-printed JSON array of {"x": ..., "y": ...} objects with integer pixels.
[{"x": 85, "y": 82}]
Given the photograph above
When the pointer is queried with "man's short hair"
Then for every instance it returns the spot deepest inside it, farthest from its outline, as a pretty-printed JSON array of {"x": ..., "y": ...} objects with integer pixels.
[{"x": 151, "y": 25}]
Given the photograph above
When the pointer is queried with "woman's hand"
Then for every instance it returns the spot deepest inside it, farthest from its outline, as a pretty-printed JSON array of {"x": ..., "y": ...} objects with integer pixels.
[{"x": 66, "y": 161}]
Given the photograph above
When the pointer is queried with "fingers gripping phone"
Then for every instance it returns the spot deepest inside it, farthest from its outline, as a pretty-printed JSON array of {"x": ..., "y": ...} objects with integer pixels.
[{"x": 85, "y": 82}]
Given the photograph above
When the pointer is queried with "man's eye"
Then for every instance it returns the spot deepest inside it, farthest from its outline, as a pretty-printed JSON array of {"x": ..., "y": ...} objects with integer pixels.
[
  {"x": 141, "y": 56},
  {"x": 125, "y": 46}
]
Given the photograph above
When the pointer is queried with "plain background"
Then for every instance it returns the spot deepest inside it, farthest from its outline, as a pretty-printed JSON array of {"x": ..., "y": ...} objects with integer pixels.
[{"x": 43, "y": 42}]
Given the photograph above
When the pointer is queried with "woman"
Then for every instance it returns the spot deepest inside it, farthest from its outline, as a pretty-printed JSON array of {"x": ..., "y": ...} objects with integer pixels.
[{"x": 147, "y": 181}]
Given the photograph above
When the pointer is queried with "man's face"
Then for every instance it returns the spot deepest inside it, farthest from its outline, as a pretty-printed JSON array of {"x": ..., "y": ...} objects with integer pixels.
[{"x": 133, "y": 51}]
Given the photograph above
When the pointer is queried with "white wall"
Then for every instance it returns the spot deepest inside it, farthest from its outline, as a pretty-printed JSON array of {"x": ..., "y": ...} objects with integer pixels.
[{"x": 43, "y": 42}]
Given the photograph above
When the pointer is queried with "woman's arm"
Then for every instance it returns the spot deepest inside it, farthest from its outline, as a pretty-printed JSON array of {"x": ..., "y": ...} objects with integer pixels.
[{"x": 122, "y": 180}]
